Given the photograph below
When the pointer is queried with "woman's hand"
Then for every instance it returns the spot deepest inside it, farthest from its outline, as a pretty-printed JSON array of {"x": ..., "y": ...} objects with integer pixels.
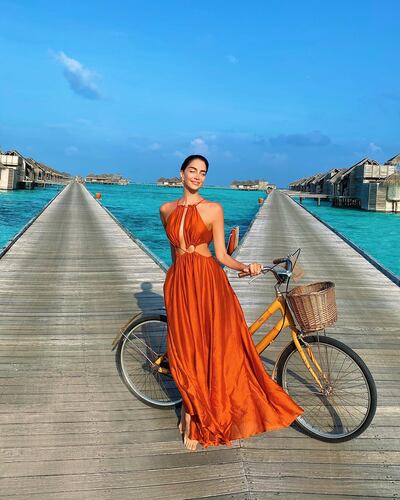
[{"x": 252, "y": 269}]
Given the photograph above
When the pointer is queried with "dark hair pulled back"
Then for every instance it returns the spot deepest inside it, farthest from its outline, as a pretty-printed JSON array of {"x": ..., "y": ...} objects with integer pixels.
[{"x": 187, "y": 161}]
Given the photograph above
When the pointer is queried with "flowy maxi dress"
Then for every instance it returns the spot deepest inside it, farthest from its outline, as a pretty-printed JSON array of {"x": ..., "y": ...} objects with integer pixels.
[{"x": 212, "y": 357}]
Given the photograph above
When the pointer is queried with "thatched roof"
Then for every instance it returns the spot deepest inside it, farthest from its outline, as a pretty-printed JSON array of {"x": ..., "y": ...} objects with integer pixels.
[
  {"x": 298, "y": 181},
  {"x": 339, "y": 174},
  {"x": 317, "y": 178},
  {"x": 364, "y": 161},
  {"x": 394, "y": 161},
  {"x": 330, "y": 173},
  {"x": 13, "y": 152},
  {"x": 306, "y": 180},
  {"x": 392, "y": 179},
  {"x": 33, "y": 162},
  {"x": 310, "y": 179}
]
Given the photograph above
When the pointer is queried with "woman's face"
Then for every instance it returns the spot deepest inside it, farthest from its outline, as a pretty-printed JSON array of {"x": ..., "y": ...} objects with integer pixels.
[{"x": 194, "y": 174}]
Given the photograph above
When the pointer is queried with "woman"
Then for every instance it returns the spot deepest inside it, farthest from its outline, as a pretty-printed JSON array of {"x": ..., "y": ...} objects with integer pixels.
[{"x": 226, "y": 392}]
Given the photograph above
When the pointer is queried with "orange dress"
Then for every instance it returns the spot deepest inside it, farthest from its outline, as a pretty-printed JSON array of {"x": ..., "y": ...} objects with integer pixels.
[{"x": 212, "y": 357}]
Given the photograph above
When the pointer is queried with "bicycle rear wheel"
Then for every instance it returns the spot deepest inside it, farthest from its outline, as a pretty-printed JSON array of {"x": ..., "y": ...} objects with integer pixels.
[
  {"x": 140, "y": 346},
  {"x": 345, "y": 406}
]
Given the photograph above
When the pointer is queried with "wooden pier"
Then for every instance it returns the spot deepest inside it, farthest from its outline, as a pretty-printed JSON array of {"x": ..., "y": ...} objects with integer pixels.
[
  {"x": 285, "y": 462},
  {"x": 69, "y": 429},
  {"x": 304, "y": 195}
]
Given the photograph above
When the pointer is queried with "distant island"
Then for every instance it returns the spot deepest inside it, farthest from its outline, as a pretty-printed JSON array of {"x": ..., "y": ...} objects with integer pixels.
[
  {"x": 257, "y": 185},
  {"x": 249, "y": 185},
  {"x": 106, "y": 179}
]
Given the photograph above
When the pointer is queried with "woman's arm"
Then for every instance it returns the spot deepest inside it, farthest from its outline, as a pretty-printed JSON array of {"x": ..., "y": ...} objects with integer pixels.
[
  {"x": 220, "y": 248},
  {"x": 163, "y": 215}
]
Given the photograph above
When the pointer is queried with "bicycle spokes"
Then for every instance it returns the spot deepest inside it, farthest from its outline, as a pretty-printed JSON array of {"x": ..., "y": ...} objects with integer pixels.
[
  {"x": 144, "y": 365},
  {"x": 339, "y": 402}
]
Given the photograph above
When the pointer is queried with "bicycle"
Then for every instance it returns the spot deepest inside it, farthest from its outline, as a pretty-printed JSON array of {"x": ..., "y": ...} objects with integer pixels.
[{"x": 323, "y": 375}]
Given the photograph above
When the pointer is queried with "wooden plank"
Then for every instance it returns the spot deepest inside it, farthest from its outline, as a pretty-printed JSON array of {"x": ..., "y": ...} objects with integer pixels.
[
  {"x": 176, "y": 491},
  {"x": 141, "y": 480},
  {"x": 323, "y": 488}
]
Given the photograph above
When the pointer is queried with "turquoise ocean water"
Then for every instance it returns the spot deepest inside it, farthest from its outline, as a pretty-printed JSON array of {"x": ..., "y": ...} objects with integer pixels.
[
  {"x": 377, "y": 233},
  {"x": 18, "y": 207},
  {"x": 136, "y": 207}
]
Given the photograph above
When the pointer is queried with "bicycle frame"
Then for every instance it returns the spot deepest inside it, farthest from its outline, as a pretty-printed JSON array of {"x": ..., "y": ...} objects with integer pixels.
[{"x": 286, "y": 321}]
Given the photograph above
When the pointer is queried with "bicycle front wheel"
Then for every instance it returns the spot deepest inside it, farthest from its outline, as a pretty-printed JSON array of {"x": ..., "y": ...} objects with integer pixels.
[
  {"x": 139, "y": 349},
  {"x": 345, "y": 404}
]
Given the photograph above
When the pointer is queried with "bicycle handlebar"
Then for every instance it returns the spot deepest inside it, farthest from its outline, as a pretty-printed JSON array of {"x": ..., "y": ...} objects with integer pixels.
[{"x": 280, "y": 260}]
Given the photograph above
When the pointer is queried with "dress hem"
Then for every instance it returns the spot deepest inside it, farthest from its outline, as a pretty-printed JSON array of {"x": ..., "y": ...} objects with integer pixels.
[{"x": 245, "y": 436}]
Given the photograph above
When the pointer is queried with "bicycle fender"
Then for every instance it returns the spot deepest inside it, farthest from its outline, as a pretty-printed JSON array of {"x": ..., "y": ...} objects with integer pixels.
[{"x": 129, "y": 323}]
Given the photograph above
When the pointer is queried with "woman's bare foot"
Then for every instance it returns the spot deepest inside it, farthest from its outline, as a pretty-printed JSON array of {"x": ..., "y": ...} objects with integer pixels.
[{"x": 190, "y": 444}]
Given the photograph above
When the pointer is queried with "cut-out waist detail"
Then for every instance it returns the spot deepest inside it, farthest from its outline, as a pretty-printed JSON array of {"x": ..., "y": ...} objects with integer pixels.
[{"x": 192, "y": 249}]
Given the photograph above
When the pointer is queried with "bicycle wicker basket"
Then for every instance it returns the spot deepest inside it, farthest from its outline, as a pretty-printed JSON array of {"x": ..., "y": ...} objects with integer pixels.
[{"x": 314, "y": 305}]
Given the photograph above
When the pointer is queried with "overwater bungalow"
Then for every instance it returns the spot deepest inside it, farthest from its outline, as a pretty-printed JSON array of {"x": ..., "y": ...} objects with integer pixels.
[
  {"x": 299, "y": 184},
  {"x": 392, "y": 183},
  {"x": 249, "y": 185},
  {"x": 47, "y": 175},
  {"x": 19, "y": 172},
  {"x": 361, "y": 185},
  {"x": 16, "y": 172},
  {"x": 106, "y": 179},
  {"x": 306, "y": 184},
  {"x": 316, "y": 183},
  {"x": 169, "y": 182},
  {"x": 331, "y": 181},
  {"x": 8, "y": 177}
]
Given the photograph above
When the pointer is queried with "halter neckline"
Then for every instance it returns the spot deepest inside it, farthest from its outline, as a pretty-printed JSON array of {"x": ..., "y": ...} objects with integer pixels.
[
  {"x": 191, "y": 205},
  {"x": 185, "y": 206}
]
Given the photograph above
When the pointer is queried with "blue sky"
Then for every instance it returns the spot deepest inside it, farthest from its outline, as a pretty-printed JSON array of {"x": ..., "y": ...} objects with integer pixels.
[{"x": 272, "y": 90}]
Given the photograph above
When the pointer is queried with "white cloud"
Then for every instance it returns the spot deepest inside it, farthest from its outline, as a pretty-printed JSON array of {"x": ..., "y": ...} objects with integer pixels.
[
  {"x": 80, "y": 78},
  {"x": 374, "y": 148},
  {"x": 228, "y": 154},
  {"x": 178, "y": 154},
  {"x": 155, "y": 146},
  {"x": 232, "y": 59},
  {"x": 199, "y": 145}
]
